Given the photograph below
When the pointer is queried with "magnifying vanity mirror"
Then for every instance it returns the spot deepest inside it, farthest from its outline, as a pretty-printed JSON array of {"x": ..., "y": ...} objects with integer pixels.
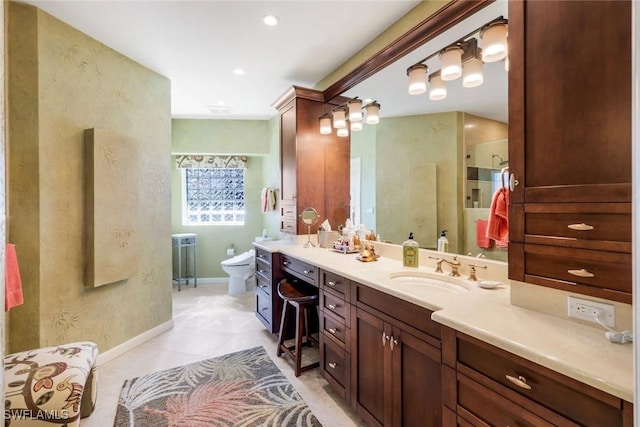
[
  {"x": 309, "y": 216},
  {"x": 432, "y": 165}
]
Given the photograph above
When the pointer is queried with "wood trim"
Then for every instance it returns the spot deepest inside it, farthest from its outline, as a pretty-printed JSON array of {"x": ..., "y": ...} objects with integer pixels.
[
  {"x": 445, "y": 18},
  {"x": 601, "y": 193},
  {"x": 516, "y": 99},
  {"x": 297, "y": 92}
]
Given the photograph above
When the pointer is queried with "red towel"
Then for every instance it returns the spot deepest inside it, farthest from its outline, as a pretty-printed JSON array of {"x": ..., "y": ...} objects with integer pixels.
[
  {"x": 482, "y": 241},
  {"x": 498, "y": 222},
  {"x": 12, "y": 282}
]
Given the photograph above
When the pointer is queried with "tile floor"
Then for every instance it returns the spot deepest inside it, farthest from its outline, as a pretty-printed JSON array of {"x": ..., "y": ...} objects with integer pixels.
[{"x": 209, "y": 323}]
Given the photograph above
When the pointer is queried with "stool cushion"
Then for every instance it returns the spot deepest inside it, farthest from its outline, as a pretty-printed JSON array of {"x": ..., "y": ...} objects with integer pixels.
[
  {"x": 296, "y": 291},
  {"x": 47, "y": 386}
]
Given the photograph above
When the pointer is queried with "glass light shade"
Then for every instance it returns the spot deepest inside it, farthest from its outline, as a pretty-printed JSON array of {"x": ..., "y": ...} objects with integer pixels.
[
  {"x": 355, "y": 110},
  {"x": 494, "y": 42},
  {"x": 438, "y": 88},
  {"x": 417, "y": 79},
  {"x": 343, "y": 131},
  {"x": 451, "y": 63},
  {"x": 506, "y": 63},
  {"x": 325, "y": 125},
  {"x": 373, "y": 117},
  {"x": 339, "y": 118},
  {"x": 355, "y": 125},
  {"x": 472, "y": 73}
]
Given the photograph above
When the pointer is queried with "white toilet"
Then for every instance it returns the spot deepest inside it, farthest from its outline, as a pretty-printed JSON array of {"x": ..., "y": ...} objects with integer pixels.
[{"x": 241, "y": 270}]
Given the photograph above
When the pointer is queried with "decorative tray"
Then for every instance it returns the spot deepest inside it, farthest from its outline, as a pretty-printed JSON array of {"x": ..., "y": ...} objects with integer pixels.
[{"x": 345, "y": 251}]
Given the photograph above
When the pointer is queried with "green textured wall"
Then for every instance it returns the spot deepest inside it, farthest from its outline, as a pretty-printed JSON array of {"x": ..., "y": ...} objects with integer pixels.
[
  {"x": 403, "y": 146},
  {"x": 61, "y": 82},
  {"x": 247, "y": 137},
  {"x": 363, "y": 145}
]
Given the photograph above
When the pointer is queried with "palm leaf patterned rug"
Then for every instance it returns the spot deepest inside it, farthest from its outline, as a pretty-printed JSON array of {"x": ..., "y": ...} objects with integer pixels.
[{"x": 239, "y": 389}]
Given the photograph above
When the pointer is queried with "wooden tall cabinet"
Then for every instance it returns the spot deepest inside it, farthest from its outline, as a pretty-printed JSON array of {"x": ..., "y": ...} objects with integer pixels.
[
  {"x": 570, "y": 145},
  {"x": 314, "y": 167}
]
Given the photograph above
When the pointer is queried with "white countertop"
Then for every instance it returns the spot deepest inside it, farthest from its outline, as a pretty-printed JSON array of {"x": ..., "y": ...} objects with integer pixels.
[{"x": 578, "y": 351}]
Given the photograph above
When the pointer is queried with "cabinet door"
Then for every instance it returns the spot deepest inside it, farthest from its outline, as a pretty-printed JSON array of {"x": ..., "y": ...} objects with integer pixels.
[
  {"x": 371, "y": 366},
  {"x": 288, "y": 155},
  {"x": 570, "y": 101},
  {"x": 417, "y": 381}
]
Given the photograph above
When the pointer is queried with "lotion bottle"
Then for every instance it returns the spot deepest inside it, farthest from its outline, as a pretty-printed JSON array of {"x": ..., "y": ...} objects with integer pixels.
[
  {"x": 443, "y": 242},
  {"x": 410, "y": 252}
]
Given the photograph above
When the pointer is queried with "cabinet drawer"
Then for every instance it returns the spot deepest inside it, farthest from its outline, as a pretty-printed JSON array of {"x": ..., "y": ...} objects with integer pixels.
[
  {"x": 567, "y": 397},
  {"x": 263, "y": 269},
  {"x": 263, "y": 285},
  {"x": 483, "y": 407},
  {"x": 607, "y": 270},
  {"x": 303, "y": 270},
  {"x": 335, "y": 284},
  {"x": 263, "y": 306},
  {"x": 604, "y": 226},
  {"x": 288, "y": 225},
  {"x": 263, "y": 256},
  {"x": 335, "y": 305},
  {"x": 335, "y": 365},
  {"x": 334, "y": 328}
]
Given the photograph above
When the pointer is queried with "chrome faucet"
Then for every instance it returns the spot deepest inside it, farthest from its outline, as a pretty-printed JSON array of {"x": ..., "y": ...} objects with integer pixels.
[{"x": 454, "y": 264}]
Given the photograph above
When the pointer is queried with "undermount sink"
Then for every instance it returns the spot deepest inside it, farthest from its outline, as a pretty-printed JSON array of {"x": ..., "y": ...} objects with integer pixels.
[{"x": 417, "y": 280}]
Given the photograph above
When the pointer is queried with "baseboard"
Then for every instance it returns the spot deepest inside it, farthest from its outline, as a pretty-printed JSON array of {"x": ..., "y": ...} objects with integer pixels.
[
  {"x": 212, "y": 280},
  {"x": 133, "y": 342}
]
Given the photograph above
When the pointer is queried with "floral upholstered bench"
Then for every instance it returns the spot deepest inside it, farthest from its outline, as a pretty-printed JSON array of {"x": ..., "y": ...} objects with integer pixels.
[{"x": 51, "y": 385}]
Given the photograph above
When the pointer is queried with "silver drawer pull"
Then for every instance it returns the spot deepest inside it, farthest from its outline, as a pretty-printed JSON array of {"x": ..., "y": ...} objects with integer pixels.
[
  {"x": 581, "y": 273},
  {"x": 285, "y": 262},
  {"x": 580, "y": 227},
  {"x": 332, "y": 365},
  {"x": 332, "y": 306},
  {"x": 385, "y": 338},
  {"x": 333, "y": 330},
  {"x": 513, "y": 182},
  {"x": 331, "y": 283},
  {"x": 520, "y": 381},
  {"x": 265, "y": 308},
  {"x": 307, "y": 271},
  {"x": 262, "y": 271},
  {"x": 260, "y": 256}
]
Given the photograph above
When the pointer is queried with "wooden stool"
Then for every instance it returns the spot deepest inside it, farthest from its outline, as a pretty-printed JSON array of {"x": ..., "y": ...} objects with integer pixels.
[{"x": 302, "y": 297}]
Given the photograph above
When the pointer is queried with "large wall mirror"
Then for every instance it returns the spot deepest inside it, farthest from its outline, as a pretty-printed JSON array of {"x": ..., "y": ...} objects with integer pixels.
[{"x": 433, "y": 165}]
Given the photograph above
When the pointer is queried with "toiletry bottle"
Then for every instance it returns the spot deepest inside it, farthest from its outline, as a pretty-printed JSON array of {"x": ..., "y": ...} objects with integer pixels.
[
  {"x": 443, "y": 242},
  {"x": 410, "y": 252}
]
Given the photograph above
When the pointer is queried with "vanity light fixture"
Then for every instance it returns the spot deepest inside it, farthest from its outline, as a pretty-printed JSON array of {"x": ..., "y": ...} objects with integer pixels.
[
  {"x": 349, "y": 117},
  {"x": 462, "y": 58},
  {"x": 417, "y": 79}
]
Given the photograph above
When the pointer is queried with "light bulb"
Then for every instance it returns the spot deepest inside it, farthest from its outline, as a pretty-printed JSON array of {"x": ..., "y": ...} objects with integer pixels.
[
  {"x": 355, "y": 125},
  {"x": 325, "y": 125},
  {"x": 339, "y": 118},
  {"x": 343, "y": 131},
  {"x": 451, "y": 63},
  {"x": 494, "y": 42},
  {"x": 417, "y": 79},
  {"x": 373, "y": 116},
  {"x": 355, "y": 110},
  {"x": 472, "y": 73},
  {"x": 438, "y": 88}
]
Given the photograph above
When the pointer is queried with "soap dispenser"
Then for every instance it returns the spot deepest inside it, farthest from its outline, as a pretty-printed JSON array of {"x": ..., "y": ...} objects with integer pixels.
[
  {"x": 410, "y": 252},
  {"x": 443, "y": 242}
]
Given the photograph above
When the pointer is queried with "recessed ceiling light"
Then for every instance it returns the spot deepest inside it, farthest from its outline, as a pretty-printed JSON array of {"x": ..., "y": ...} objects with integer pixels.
[
  {"x": 270, "y": 20},
  {"x": 239, "y": 72},
  {"x": 367, "y": 100}
]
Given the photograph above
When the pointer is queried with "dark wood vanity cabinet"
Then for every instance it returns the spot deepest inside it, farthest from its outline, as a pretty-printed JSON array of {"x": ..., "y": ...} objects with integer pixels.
[
  {"x": 486, "y": 386},
  {"x": 570, "y": 146},
  {"x": 314, "y": 167},
  {"x": 268, "y": 304},
  {"x": 395, "y": 361}
]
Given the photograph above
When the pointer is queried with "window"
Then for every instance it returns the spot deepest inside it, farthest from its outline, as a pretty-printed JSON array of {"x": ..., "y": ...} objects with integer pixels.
[{"x": 213, "y": 196}]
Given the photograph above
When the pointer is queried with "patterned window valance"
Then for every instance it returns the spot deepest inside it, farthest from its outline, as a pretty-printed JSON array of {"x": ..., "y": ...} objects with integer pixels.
[{"x": 207, "y": 161}]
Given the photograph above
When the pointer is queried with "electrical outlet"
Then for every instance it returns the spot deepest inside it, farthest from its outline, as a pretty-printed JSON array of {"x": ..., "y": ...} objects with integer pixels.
[{"x": 585, "y": 309}]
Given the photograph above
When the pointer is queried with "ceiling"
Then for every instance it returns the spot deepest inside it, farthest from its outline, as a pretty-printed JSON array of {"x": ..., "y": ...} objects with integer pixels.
[{"x": 198, "y": 44}]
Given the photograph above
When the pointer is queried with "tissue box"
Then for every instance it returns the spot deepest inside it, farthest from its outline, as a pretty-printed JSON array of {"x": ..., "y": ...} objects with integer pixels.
[{"x": 326, "y": 237}]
